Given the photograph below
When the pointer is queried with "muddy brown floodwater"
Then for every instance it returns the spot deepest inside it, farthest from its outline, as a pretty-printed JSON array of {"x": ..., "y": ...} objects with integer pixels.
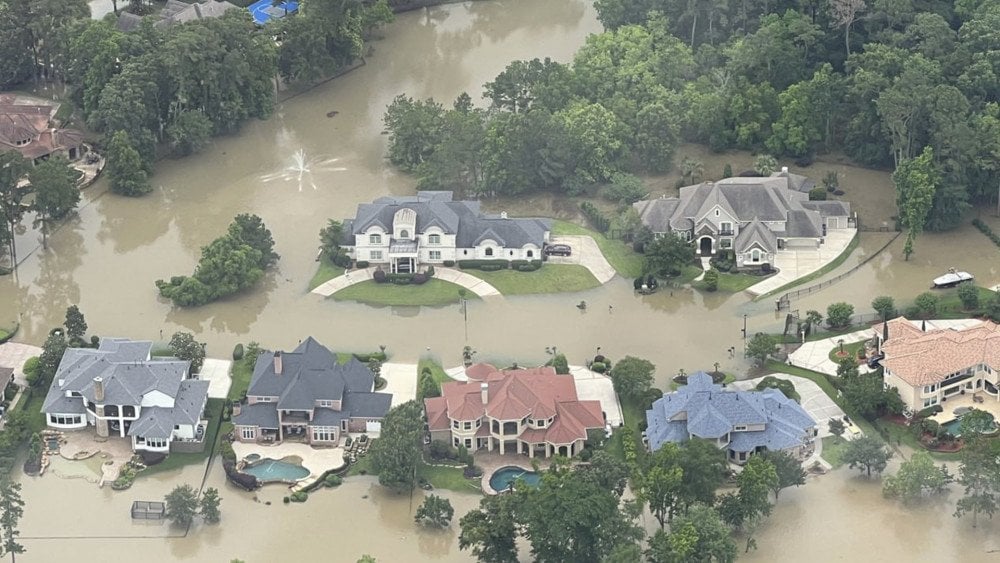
[{"x": 299, "y": 169}]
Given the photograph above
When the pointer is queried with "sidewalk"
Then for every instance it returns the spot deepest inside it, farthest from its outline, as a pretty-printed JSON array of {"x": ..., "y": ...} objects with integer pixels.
[
  {"x": 816, "y": 355},
  {"x": 457, "y": 277}
]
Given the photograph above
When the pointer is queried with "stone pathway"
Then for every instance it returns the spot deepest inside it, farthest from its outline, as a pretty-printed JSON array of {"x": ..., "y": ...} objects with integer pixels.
[
  {"x": 585, "y": 253},
  {"x": 457, "y": 277},
  {"x": 794, "y": 264},
  {"x": 816, "y": 355}
]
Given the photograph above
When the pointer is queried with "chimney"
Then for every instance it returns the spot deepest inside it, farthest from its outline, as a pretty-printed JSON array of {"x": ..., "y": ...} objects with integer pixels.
[
  {"x": 237, "y": 408},
  {"x": 484, "y": 392},
  {"x": 98, "y": 390},
  {"x": 503, "y": 214},
  {"x": 277, "y": 363}
]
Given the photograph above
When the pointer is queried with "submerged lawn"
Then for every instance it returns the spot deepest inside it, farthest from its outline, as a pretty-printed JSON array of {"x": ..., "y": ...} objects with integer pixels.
[
  {"x": 619, "y": 254},
  {"x": 550, "y": 278},
  {"x": 434, "y": 292},
  {"x": 733, "y": 283}
]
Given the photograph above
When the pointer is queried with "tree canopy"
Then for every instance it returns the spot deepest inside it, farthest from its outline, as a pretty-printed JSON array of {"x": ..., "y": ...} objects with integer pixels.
[{"x": 396, "y": 452}]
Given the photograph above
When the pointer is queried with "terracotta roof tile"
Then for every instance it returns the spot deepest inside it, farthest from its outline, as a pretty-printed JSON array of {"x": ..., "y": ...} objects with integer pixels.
[{"x": 923, "y": 358}]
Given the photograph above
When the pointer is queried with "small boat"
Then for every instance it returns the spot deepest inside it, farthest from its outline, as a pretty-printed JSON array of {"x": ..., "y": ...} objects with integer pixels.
[{"x": 952, "y": 278}]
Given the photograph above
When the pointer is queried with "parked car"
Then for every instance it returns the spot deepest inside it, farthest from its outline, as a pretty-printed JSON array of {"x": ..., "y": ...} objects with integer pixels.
[
  {"x": 875, "y": 359},
  {"x": 558, "y": 250}
]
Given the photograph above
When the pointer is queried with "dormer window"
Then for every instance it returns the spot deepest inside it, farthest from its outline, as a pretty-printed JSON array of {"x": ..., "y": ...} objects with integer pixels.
[
  {"x": 404, "y": 234},
  {"x": 489, "y": 252},
  {"x": 434, "y": 239},
  {"x": 375, "y": 239},
  {"x": 739, "y": 427}
]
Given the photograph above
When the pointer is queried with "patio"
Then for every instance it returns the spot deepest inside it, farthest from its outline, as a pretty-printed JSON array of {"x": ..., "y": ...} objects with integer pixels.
[
  {"x": 964, "y": 402},
  {"x": 317, "y": 460}
]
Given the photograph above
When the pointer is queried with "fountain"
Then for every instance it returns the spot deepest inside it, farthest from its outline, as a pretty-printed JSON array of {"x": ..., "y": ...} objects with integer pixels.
[{"x": 302, "y": 170}]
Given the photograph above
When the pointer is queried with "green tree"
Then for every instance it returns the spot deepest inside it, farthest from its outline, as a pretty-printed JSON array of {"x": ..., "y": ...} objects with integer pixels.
[
  {"x": 979, "y": 473},
  {"x": 838, "y": 315},
  {"x": 885, "y": 306},
  {"x": 917, "y": 180},
  {"x": 632, "y": 377},
  {"x": 868, "y": 454},
  {"x": 789, "y": 470},
  {"x": 12, "y": 167},
  {"x": 182, "y": 505},
  {"x": 396, "y": 453},
  {"x": 125, "y": 167},
  {"x": 837, "y": 427},
  {"x": 209, "y": 506},
  {"x": 11, "y": 510},
  {"x": 414, "y": 128},
  {"x": 667, "y": 255},
  {"x": 712, "y": 280},
  {"x": 435, "y": 511},
  {"x": 692, "y": 170},
  {"x": 456, "y": 163},
  {"x": 926, "y": 304},
  {"x": 367, "y": 559},
  {"x": 625, "y": 189},
  {"x": 561, "y": 364},
  {"x": 184, "y": 347},
  {"x": 786, "y": 387},
  {"x": 606, "y": 471},
  {"x": 760, "y": 347},
  {"x": 251, "y": 231},
  {"x": 54, "y": 183},
  {"x": 746, "y": 508},
  {"x": 331, "y": 237},
  {"x": 427, "y": 387},
  {"x": 696, "y": 535},
  {"x": 969, "y": 295},
  {"x": 190, "y": 132},
  {"x": 76, "y": 325},
  {"x": 916, "y": 477},
  {"x": 660, "y": 485},
  {"x": 704, "y": 468},
  {"x": 491, "y": 531},
  {"x": 52, "y": 352},
  {"x": 526, "y": 84},
  {"x": 596, "y": 139},
  {"x": 765, "y": 164},
  {"x": 976, "y": 422}
]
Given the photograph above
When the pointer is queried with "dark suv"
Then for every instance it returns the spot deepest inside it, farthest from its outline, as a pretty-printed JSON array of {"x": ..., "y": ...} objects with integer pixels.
[{"x": 558, "y": 250}]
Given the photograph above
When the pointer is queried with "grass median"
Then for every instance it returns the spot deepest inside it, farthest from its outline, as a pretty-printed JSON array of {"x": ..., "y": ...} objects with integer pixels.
[
  {"x": 434, "y": 292},
  {"x": 550, "y": 278}
]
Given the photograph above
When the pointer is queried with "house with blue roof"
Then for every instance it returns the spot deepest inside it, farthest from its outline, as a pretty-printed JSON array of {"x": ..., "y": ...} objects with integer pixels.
[
  {"x": 307, "y": 396},
  {"x": 741, "y": 422},
  {"x": 405, "y": 232}
]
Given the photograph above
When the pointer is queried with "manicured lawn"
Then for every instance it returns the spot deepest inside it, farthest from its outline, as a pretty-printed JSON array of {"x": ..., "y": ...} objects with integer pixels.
[
  {"x": 833, "y": 450},
  {"x": 619, "y": 254},
  {"x": 31, "y": 403},
  {"x": 733, "y": 283},
  {"x": 633, "y": 414},
  {"x": 240, "y": 373},
  {"x": 326, "y": 272},
  {"x": 901, "y": 435},
  {"x": 451, "y": 478},
  {"x": 850, "y": 351},
  {"x": 950, "y": 306},
  {"x": 434, "y": 292},
  {"x": 550, "y": 278},
  {"x": 437, "y": 372},
  {"x": 177, "y": 460},
  {"x": 820, "y": 272}
]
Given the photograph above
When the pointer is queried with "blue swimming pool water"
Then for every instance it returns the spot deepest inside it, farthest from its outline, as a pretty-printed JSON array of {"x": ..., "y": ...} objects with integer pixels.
[
  {"x": 954, "y": 427},
  {"x": 503, "y": 477},
  {"x": 265, "y": 10},
  {"x": 270, "y": 470}
]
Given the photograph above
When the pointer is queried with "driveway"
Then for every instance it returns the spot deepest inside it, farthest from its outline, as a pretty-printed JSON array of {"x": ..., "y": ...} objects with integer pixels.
[
  {"x": 401, "y": 381},
  {"x": 818, "y": 404},
  {"x": 216, "y": 373},
  {"x": 793, "y": 264},
  {"x": 585, "y": 253},
  {"x": 14, "y": 354},
  {"x": 592, "y": 386},
  {"x": 816, "y": 355}
]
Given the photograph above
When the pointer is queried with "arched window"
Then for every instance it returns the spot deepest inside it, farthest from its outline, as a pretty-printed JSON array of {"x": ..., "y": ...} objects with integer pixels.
[
  {"x": 755, "y": 255},
  {"x": 404, "y": 234},
  {"x": 434, "y": 239},
  {"x": 489, "y": 252},
  {"x": 531, "y": 254},
  {"x": 374, "y": 239}
]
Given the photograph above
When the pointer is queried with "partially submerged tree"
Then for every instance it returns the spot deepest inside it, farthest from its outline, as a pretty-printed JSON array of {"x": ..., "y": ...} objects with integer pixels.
[
  {"x": 209, "y": 506},
  {"x": 183, "y": 346},
  {"x": 917, "y": 476},
  {"x": 435, "y": 511},
  {"x": 182, "y": 505},
  {"x": 396, "y": 452},
  {"x": 868, "y": 454}
]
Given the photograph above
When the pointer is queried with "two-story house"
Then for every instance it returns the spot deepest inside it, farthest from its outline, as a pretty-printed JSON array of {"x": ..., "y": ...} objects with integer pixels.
[
  {"x": 929, "y": 364},
  {"x": 29, "y": 129},
  {"x": 752, "y": 217},
  {"x": 740, "y": 422},
  {"x": 528, "y": 411},
  {"x": 405, "y": 232},
  {"x": 119, "y": 389},
  {"x": 306, "y": 395}
]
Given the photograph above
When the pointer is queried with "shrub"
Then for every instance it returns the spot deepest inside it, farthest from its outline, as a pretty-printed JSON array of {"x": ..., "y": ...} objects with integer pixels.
[
  {"x": 625, "y": 189},
  {"x": 449, "y": 263},
  {"x": 238, "y": 352},
  {"x": 969, "y": 295},
  {"x": 31, "y": 370},
  {"x": 491, "y": 267},
  {"x": 429, "y": 271},
  {"x": 986, "y": 230},
  {"x": 838, "y": 315},
  {"x": 712, "y": 280},
  {"x": 379, "y": 276},
  {"x": 599, "y": 367},
  {"x": 595, "y": 217},
  {"x": 480, "y": 264},
  {"x": 341, "y": 260},
  {"x": 333, "y": 480},
  {"x": 299, "y": 496},
  {"x": 926, "y": 304},
  {"x": 724, "y": 260},
  {"x": 817, "y": 194},
  {"x": 727, "y": 171},
  {"x": 586, "y": 454},
  {"x": 285, "y": 500},
  {"x": 419, "y": 279},
  {"x": 361, "y": 264}
]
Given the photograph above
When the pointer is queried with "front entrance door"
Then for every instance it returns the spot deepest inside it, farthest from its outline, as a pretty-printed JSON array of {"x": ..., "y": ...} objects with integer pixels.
[{"x": 705, "y": 246}]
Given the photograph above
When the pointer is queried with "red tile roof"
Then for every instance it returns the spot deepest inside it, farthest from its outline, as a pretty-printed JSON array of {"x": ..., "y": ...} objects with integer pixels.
[{"x": 923, "y": 358}]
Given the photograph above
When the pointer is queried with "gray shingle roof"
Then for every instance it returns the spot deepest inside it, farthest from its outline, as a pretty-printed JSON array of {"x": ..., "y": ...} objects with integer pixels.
[
  {"x": 367, "y": 405},
  {"x": 460, "y": 218},
  {"x": 159, "y": 422},
  {"x": 803, "y": 224},
  {"x": 656, "y": 213},
  {"x": 258, "y": 414},
  {"x": 704, "y": 410},
  {"x": 756, "y": 233}
]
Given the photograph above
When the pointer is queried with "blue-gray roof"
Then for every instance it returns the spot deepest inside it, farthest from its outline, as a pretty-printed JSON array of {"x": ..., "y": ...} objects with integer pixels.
[
  {"x": 159, "y": 422},
  {"x": 464, "y": 219},
  {"x": 264, "y": 415},
  {"x": 704, "y": 410}
]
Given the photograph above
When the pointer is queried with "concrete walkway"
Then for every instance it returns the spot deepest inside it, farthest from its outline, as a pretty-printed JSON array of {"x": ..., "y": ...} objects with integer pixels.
[
  {"x": 816, "y": 355},
  {"x": 794, "y": 264},
  {"x": 585, "y": 253},
  {"x": 457, "y": 277},
  {"x": 706, "y": 265}
]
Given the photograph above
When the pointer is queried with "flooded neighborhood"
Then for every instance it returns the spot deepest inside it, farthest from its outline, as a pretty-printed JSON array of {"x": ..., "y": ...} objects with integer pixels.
[{"x": 321, "y": 154}]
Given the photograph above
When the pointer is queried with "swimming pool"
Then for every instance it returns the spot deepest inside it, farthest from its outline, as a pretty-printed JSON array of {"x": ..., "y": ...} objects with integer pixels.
[
  {"x": 954, "y": 427},
  {"x": 272, "y": 470},
  {"x": 504, "y": 477}
]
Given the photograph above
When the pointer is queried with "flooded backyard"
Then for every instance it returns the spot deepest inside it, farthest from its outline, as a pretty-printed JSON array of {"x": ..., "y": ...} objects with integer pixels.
[{"x": 107, "y": 259}]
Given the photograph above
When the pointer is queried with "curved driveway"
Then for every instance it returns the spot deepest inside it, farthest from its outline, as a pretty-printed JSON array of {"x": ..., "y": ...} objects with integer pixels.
[
  {"x": 585, "y": 253},
  {"x": 457, "y": 277}
]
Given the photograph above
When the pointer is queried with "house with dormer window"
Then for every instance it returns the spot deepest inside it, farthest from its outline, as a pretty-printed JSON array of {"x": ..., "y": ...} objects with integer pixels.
[
  {"x": 741, "y": 422},
  {"x": 405, "y": 232},
  {"x": 753, "y": 217},
  {"x": 306, "y": 395}
]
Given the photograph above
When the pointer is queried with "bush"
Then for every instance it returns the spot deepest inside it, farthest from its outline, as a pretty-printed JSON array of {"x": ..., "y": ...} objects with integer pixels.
[
  {"x": 926, "y": 304},
  {"x": 285, "y": 500},
  {"x": 599, "y": 367},
  {"x": 986, "y": 230},
  {"x": 817, "y": 194},
  {"x": 341, "y": 260},
  {"x": 482, "y": 264},
  {"x": 299, "y": 496},
  {"x": 238, "y": 352},
  {"x": 449, "y": 263},
  {"x": 419, "y": 279},
  {"x": 595, "y": 217},
  {"x": 379, "y": 276},
  {"x": 333, "y": 480},
  {"x": 838, "y": 315},
  {"x": 625, "y": 189},
  {"x": 31, "y": 370},
  {"x": 724, "y": 260},
  {"x": 361, "y": 264},
  {"x": 969, "y": 295},
  {"x": 712, "y": 280},
  {"x": 439, "y": 449}
]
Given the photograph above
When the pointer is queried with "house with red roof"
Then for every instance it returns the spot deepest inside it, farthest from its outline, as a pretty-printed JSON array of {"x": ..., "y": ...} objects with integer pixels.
[
  {"x": 527, "y": 411},
  {"x": 30, "y": 130}
]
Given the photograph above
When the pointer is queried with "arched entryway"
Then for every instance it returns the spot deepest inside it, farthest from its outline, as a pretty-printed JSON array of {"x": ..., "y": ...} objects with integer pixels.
[{"x": 706, "y": 246}]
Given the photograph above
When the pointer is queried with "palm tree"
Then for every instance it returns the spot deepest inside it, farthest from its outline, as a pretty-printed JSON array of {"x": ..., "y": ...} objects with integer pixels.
[{"x": 692, "y": 170}]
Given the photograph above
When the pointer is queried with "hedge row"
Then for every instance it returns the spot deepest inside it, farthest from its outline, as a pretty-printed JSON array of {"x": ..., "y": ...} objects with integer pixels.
[
  {"x": 495, "y": 265},
  {"x": 596, "y": 218},
  {"x": 986, "y": 230},
  {"x": 401, "y": 279}
]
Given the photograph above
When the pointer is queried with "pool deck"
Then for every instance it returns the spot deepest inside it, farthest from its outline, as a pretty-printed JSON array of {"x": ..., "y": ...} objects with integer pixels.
[
  {"x": 989, "y": 404},
  {"x": 317, "y": 460},
  {"x": 491, "y": 461}
]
